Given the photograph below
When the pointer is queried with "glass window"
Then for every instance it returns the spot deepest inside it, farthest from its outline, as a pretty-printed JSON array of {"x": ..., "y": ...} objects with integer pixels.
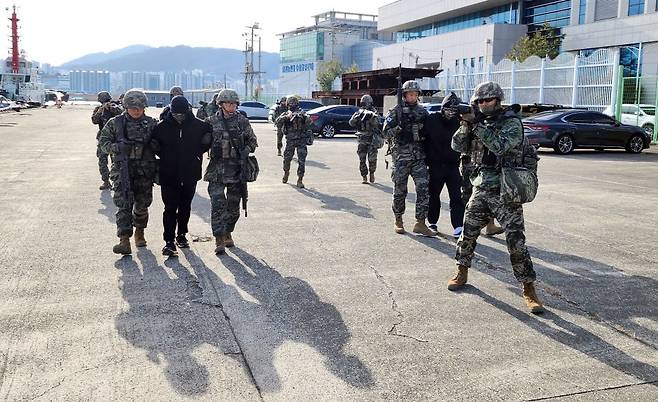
[
  {"x": 635, "y": 7},
  {"x": 582, "y": 11},
  {"x": 649, "y": 110},
  {"x": 584, "y": 117},
  {"x": 302, "y": 47},
  {"x": 629, "y": 57},
  {"x": 556, "y": 13}
]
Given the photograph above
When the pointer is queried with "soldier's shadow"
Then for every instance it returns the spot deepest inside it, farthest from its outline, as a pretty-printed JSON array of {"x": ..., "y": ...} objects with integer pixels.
[
  {"x": 315, "y": 164},
  {"x": 337, "y": 203},
  {"x": 163, "y": 320},
  {"x": 109, "y": 209},
  {"x": 284, "y": 310},
  {"x": 593, "y": 294}
]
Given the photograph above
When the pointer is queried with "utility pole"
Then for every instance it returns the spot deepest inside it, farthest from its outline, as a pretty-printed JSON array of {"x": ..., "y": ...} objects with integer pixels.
[{"x": 249, "y": 72}]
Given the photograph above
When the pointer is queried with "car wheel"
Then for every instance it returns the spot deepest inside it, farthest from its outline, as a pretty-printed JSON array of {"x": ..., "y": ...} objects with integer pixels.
[
  {"x": 328, "y": 131},
  {"x": 635, "y": 144},
  {"x": 564, "y": 144},
  {"x": 649, "y": 129}
]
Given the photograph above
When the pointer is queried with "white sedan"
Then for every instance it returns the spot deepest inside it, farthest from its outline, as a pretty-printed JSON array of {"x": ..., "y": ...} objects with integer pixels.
[{"x": 254, "y": 110}]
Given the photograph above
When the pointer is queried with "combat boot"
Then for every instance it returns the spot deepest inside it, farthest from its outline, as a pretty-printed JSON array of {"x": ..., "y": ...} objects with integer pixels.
[
  {"x": 372, "y": 177},
  {"x": 492, "y": 229},
  {"x": 300, "y": 184},
  {"x": 140, "y": 241},
  {"x": 365, "y": 179},
  {"x": 228, "y": 241},
  {"x": 105, "y": 186},
  {"x": 421, "y": 228},
  {"x": 399, "y": 225},
  {"x": 459, "y": 279},
  {"x": 531, "y": 299},
  {"x": 219, "y": 244},
  {"x": 124, "y": 246},
  {"x": 286, "y": 174}
]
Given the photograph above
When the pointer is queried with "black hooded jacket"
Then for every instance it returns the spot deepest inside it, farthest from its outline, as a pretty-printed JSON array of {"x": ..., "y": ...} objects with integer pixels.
[
  {"x": 181, "y": 148},
  {"x": 438, "y": 138}
]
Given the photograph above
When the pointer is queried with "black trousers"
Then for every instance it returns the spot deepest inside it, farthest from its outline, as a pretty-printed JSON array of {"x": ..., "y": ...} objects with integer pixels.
[
  {"x": 449, "y": 176},
  {"x": 177, "y": 208}
]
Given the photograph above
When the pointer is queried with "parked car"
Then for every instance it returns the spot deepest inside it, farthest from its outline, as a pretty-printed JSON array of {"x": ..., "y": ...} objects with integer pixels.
[
  {"x": 330, "y": 120},
  {"x": 254, "y": 110},
  {"x": 432, "y": 107},
  {"x": 566, "y": 130},
  {"x": 637, "y": 115},
  {"x": 305, "y": 105}
]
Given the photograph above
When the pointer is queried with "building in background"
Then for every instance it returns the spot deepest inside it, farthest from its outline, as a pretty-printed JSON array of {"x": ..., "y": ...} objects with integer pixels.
[
  {"x": 89, "y": 81},
  {"x": 347, "y": 37},
  {"x": 465, "y": 34}
]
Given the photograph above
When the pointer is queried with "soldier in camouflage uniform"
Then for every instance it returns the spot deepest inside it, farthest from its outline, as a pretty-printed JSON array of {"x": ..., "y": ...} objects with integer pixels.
[
  {"x": 368, "y": 126},
  {"x": 403, "y": 126},
  {"x": 493, "y": 137},
  {"x": 296, "y": 125},
  {"x": 231, "y": 131},
  {"x": 100, "y": 117},
  {"x": 136, "y": 129},
  {"x": 208, "y": 109},
  {"x": 281, "y": 108},
  {"x": 466, "y": 168}
]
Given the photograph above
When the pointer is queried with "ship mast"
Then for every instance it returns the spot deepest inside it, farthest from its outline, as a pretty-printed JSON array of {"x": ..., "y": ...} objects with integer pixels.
[{"x": 14, "y": 42}]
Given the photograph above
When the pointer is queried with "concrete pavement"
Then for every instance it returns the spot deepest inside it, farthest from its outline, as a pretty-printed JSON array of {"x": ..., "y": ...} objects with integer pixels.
[{"x": 319, "y": 299}]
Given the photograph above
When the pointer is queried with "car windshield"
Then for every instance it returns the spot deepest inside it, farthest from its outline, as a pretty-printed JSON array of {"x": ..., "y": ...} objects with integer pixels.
[
  {"x": 649, "y": 110},
  {"x": 544, "y": 116}
]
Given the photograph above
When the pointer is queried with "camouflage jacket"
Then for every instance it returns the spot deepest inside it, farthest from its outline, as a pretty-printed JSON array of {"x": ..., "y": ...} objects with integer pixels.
[
  {"x": 207, "y": 110},
  {"x": 295, "y": 125},
  {"x": 103, "y": 113},
  {"x": 367, "y": 123},
  {"x": 279, "y": 110},
  {"x": 138, "y": 133},
  {"x": 230, "y": 136},
  {"x": 404, "y": 126},
  {"x": 491, "y": 144}
]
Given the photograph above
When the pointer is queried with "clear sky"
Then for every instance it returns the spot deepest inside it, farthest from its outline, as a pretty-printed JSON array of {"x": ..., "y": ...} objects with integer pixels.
[{"x": 58, "y": 31}]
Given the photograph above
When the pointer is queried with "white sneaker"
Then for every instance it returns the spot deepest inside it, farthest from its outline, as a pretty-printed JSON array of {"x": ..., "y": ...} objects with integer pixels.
[{"x": 458, "y": 232}]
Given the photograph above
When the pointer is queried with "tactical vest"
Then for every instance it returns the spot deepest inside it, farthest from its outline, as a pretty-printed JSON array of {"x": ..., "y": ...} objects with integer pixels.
[
  {"x": 137, "y": 134},
  {"x": 225, "y": 144},
  {"x": 411, "y": 123},
  {"x": 295, "y": 125}
]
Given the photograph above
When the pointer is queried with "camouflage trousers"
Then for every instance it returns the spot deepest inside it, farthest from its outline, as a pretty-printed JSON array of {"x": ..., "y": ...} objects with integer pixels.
[
  {"x": 367, "y": 151},
  {"x": 225, "y": 207},
  {"x": 483, "y": 205},
  {"x": 279, "y": 139},
  {"x": 417, "y": 169},
  {"x": 467, "y": 186},
  {"x": 102, "y": 164},
  {"x": 135, "y": 214},
  {"x": 298, "y": 144}
]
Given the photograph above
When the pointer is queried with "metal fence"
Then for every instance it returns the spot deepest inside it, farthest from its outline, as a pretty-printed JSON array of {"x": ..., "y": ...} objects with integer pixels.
[
  {"x": 637, "y": 101},
  {"x": 566, "y": 80}
]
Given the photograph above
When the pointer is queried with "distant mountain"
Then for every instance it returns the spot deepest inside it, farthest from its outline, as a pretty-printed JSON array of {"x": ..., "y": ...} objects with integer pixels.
[
  {"x": 99, "y": 58},
  {"x": 178, "y": 58}
]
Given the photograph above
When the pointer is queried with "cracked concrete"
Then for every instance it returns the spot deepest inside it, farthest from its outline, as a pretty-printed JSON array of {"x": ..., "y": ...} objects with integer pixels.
[{"x": 319, "y": 299}]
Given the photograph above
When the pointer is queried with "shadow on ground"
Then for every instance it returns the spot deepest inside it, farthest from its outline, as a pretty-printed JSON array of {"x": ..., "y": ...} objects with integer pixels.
[
  {"x": 337, "y": 203},
  {"x": 282, "y": 310}
]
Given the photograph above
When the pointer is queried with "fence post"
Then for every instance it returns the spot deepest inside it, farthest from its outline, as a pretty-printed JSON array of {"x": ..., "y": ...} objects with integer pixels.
[
  {"x": 489, "y": 72},
  {"x": 620, "y": 92},
  {"x": 655, "y": 118},
  {"x": 541, "y": 80},
  {"x": 512, "y": 84},
  {"x": 615, "y": 83},
  {"x": 574, "y": 94}
]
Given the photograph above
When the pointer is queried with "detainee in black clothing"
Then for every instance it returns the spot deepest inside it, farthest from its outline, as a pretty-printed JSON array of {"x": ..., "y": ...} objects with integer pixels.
[
  {"x": 182, "y": 139},
  {"x": 443, "y": 164}
]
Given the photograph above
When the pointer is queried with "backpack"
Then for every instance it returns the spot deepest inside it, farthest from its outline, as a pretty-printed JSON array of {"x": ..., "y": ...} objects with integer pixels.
[{"x": 519, "y": 183}]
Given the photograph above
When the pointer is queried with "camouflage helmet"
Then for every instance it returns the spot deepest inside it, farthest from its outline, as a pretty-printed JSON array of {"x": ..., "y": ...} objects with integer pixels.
[
  {"x": 366, "y": 100},
  {"x": 135, "y": 98},
  {"x": 283, "y": 99},
  {"x": 293, "y": 100},
  {"x": 410, "y": 86},
  {"x": 104, "y": 96},
  {"x": 175, "y": 91},
  {"x": 227, "y": 95},
  {"x": 486, "y": 90}
]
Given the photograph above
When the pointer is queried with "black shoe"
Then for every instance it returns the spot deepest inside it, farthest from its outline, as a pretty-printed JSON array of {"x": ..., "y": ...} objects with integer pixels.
[
  {"x": 181, "y": 241},
  {"x": 170, "y": 249}
]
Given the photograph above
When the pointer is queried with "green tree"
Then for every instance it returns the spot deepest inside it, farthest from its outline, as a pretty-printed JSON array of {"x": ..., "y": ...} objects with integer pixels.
[
  {"x": 354, "y": 68},
  {"x": 327, "y": 73},
  {"x": 543, "y": 43}
]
